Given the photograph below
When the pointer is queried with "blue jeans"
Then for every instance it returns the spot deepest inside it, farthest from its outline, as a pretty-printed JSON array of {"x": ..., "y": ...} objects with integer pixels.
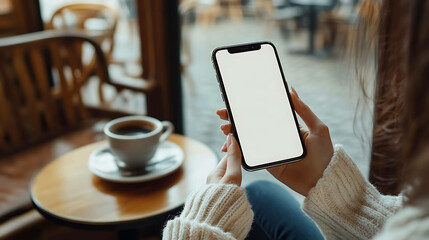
[{"x": 278, "y": 215}]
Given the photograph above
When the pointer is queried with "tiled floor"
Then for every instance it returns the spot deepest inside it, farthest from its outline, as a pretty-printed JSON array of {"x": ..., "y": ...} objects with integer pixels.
[{"x": 327, "y": 85}]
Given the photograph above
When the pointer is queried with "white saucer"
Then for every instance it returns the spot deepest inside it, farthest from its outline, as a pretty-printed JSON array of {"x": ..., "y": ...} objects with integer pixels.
[{"x": 167, "y": 159}]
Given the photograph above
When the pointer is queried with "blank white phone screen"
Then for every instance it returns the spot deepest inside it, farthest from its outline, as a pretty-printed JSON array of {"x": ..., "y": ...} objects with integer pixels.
[{"x": 259, "y": 105}]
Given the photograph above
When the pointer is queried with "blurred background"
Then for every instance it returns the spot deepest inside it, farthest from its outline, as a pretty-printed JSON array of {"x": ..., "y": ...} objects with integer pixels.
[
  {"x": 315, "y": 41},
  {"x": 168, "y": 44}
]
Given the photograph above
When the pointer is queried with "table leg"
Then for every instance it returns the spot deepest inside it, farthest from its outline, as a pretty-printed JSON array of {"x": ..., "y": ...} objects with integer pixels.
[
  {"x": 129, "y": 234},
  {"x": 312, "y": 28}
]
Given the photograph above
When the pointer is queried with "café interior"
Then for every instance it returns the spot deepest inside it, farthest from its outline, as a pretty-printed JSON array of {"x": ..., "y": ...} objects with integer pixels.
[{"x": 68, "y": 67}]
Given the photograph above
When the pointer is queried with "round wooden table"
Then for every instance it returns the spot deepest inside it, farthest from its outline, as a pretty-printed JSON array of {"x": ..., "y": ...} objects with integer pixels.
[{"x": 66, "y": 192}]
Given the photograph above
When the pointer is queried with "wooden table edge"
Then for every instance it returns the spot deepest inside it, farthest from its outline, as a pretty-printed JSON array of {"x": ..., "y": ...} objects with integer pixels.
[
  {"x": 114, "y": 225},
  {"x": 120, "y": 225}
]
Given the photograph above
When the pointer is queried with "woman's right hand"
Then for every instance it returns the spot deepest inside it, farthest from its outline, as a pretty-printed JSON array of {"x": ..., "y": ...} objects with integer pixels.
[{"x": 302, "y": 175}]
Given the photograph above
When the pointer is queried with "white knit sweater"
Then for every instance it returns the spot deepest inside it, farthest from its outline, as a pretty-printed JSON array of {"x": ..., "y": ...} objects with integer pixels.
[{"x": 343, "y": 204}]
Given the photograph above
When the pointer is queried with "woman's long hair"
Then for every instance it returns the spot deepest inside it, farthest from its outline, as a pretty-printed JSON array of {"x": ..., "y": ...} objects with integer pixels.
[
  {"x": 415, "y": 123},
  {"x": 400, "y": 143}
]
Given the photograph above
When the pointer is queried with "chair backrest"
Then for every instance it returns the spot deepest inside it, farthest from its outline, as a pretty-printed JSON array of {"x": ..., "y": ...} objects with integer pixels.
[
  {"x": 40, "y": 86},
  {"x": 79, "y": 15}
]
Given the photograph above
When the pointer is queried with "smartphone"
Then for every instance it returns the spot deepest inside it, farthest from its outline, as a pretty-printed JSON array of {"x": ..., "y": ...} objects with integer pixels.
[{"x": 259, "y": 106}]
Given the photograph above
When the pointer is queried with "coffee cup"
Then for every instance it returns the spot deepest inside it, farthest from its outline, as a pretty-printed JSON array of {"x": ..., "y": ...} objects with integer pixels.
[{"x": 133, "y": 140}]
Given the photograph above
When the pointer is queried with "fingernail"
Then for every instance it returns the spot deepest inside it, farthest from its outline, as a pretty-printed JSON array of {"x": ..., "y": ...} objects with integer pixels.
[{"x": 228, "y": 140}]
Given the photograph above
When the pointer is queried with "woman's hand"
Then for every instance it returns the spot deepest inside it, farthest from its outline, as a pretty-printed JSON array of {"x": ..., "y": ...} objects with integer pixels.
[
  {"x": 302, "y": 175},
  {"x": 228, "y": 171}
]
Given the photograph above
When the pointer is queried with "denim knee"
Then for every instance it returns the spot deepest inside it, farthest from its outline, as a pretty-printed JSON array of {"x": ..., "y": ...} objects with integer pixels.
[{"x": 263, "y": 187}]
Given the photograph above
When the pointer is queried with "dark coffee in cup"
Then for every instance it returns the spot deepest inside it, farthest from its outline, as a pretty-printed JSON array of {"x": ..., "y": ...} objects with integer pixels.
[
  {"x": 133, "y": 130},
  {"x": 134, "y": 139}
]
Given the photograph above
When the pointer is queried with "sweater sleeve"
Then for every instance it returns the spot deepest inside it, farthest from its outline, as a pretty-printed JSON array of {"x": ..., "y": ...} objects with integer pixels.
[
  {"x": 215, "y": 211},
  {"x": 345, "y": 205}
]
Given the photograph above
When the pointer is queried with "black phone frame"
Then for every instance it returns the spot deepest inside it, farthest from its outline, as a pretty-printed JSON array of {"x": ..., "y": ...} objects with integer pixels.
[{"x": 254, "y": 46}]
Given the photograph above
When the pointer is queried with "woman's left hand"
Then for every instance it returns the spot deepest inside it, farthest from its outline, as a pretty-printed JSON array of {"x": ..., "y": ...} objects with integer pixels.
[{"x": 228, "y": 171}]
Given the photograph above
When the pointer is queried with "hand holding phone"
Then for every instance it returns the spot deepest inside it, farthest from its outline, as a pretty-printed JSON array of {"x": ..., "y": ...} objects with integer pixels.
[
  {"x": 250, "y": 77},
  {"x": 228, "y": 170},
  {"x": 301, "y": 176}
]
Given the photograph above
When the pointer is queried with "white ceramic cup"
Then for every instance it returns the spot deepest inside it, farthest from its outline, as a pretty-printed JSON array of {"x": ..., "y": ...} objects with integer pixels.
[{"x": 133, "y": 151}]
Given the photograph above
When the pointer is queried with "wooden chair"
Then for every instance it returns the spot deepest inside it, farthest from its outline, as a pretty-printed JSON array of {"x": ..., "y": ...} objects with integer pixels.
[
  {"x": 209, "y": 10},
  {"x": 338, "y": 27},
  {"x": 79, "y": 16},
  {"x": 234, "y": 8},
  {"x": 43, "y": 111},
  {"x": 76, "y": 17}
]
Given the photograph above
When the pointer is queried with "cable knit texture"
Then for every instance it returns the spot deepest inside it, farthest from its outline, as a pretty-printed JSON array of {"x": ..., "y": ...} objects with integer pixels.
[
  {"x": 345, "y": 205},
  {"x": 215, "y": 211}
]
